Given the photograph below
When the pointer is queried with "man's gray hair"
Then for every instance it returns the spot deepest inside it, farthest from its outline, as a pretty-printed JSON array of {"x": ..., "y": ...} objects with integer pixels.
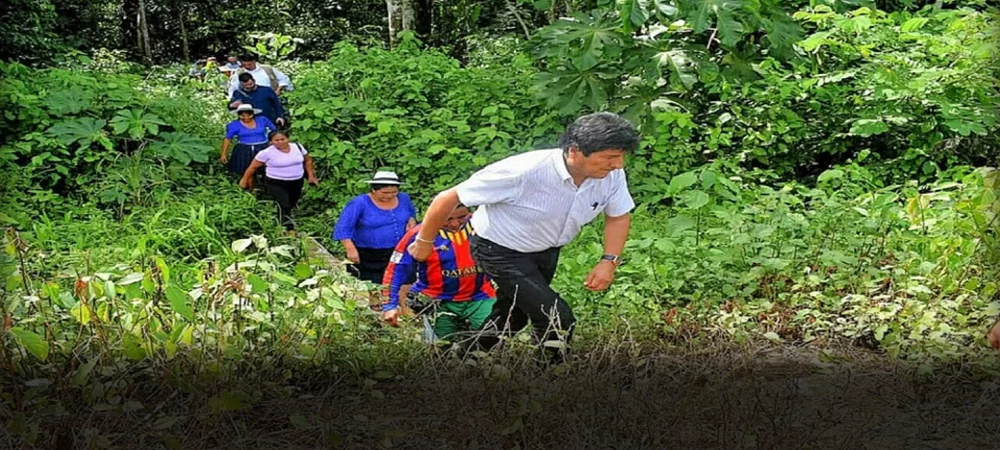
[{"x": 600, "y": 131}]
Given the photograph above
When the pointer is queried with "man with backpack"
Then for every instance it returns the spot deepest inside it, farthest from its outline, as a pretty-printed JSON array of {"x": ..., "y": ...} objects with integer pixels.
[
  {"x": 261, "y": 97},
  {"x": 263, "y": 75}
]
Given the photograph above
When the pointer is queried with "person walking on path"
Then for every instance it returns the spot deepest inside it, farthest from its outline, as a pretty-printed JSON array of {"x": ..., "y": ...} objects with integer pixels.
[
  {"x": 531, "y": 205},
  {"x": 250, "y": 130},
  {"x": 449, "y": 275},
  {"x": 372, "y": 224},
  {"x": 286, "y": 166},
  {"x": 264, "y": 75},
  {"x": 261, "y": 97}
]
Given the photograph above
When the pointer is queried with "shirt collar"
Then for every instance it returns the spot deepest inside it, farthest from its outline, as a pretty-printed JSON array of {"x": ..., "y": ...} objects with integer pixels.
[{"x": 560, "y": 165}]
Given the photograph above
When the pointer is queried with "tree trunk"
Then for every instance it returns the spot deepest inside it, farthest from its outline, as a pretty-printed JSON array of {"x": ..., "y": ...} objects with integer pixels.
[
  {"x": 184, "y": 35},
  {"x": 395, "y": 11},
  {"x": 144, "y": 31},
  {"x": 409, "y": 14}
]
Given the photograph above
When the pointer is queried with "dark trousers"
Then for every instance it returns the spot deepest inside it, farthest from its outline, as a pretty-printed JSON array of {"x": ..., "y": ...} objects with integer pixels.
[
  {"x": 372, "y": 265},
  {"x": 286, "y": 193},
  {"x": 523, "y": 292}
]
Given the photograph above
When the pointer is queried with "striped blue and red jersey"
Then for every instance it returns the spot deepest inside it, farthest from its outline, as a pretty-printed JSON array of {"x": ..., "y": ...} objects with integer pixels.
[{"x": 448, "y": 274}]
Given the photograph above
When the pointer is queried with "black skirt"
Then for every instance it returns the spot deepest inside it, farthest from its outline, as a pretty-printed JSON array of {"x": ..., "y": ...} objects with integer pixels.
[
  {"x": 372, "y": 265},
  {"x": 242, "y": 157}
]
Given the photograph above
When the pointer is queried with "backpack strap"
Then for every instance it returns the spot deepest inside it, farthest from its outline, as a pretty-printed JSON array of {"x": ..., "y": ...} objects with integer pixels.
[{"x": 270, "y": 74}]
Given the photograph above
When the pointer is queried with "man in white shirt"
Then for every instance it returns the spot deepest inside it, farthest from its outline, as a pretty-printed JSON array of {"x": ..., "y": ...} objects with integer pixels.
[
  {"x": 531, "y": 205},
  {"x": 263, "y": 75}
]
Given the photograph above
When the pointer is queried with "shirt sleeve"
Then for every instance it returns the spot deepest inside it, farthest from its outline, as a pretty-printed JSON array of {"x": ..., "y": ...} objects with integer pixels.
[
  {"x": 495, "y": 183},
  {"x": 267, "y": 123},
  {"x": 264, "y": 155},
  {"x": 232, "y": 129},
  {"x": 234, "y": 83},
  {"x": 400, "y": 269},
  {"x": 620, "y": 201},
  {"x": 348, "y": 220},
  {"x": 279, "y": 109},
  {"x": 283, "y": 80},
  {"x": 411, "y": 210}
]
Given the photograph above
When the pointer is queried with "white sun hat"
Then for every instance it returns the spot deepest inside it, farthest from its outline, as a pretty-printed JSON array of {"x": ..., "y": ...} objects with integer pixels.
[
  {"x": 245, "y": 107},
  {"x": 384, "y": 177}
]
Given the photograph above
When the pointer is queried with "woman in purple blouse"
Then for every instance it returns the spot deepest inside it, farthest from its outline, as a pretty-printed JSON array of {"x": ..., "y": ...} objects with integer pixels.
[
  {"x": 286, "y": 166},
  {"x": 372, "y": 224}
]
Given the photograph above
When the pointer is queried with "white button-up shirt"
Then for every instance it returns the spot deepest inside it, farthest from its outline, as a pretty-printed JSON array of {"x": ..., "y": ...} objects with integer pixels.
[{"x": 529, "y": 203}]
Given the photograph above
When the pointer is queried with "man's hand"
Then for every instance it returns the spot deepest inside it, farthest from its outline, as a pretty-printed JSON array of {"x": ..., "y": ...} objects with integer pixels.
[
  {"x": 313, "y": 181},
  {"x": 224, "y": 158},
  {"x": 601, "y": 276},
  {"x": 993, "y": 336},
  {"x": 246, "y": 183},
  {"x": 391, "y": 316},
  {"x": 352, "y": 255},
  {"x": 420, "y": 250},
  {"x": 235, "y": 104}
]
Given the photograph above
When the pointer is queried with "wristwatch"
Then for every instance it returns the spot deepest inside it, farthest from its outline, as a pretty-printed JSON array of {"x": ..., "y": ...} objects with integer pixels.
[{"x": 615, "y": 259}]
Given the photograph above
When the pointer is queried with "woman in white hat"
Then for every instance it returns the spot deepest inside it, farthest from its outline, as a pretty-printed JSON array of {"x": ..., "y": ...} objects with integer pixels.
[
  {"x": 372, "y": 224},
  {"x": 251, "y": 131}
]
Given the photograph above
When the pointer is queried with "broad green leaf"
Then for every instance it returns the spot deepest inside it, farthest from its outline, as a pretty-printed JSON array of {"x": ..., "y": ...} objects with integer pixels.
[
  {"x": 830, "y": 174},
  {"x": 240, "y": 245},
  {"x": 913, "y": 24},
  {"x": 679, "y": 224},
  {"x": 69, "y": 101},
  {"x": 32, "y": 342},
  {"x": 682, "y": 182},
  {"x": 695, "y": 199},
  {"x": 82, "y": 374},
  {"x": 181, "y": 147},
  {"x": 666, "y": 7},
  {"x": 815, "y": 40},
  {"x": 680, "y": 65},
  {"x": 730, "y": 31},
  {"x": 701, "y": 17},
  {"x": 868, "y": 127},
  {"x": 634, "y": 14},
  {"x": 83, "y": 131},
  {"x": 131, "y": 278},
  {"x": 81, "y": 313},
  {"x": 180, "y": 302},
  {"x": 258, "y": 283}
]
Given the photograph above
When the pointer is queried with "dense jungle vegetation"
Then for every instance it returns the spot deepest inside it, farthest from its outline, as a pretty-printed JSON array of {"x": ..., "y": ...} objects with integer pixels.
[{"x": 814, "y": 177}]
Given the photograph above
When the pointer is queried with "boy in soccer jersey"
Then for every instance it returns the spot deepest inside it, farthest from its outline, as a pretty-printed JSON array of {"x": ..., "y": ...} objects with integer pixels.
[{"x": 449, "y": 274}]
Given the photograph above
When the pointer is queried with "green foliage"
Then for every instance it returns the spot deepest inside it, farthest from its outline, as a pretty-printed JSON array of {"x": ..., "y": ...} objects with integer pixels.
[
  {"x": 913, "y": 272},
  {"x": 272, "y": 46},
  {"x": 415, "y": 112},
  {"x": 71, "y": 131},
  {"x": 913, "y": 91},
  {"x": 29, "y": 30}
]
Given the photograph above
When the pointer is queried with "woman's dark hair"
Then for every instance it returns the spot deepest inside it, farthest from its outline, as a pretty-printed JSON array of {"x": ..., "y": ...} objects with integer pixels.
[
  {"x": 245, "y": 76},
  {"x": 248, "y": 57},
  {"x": 600, "y": 131},
  {"x": 274, "y": 133},
  {"x": 377, "y": 187}
]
